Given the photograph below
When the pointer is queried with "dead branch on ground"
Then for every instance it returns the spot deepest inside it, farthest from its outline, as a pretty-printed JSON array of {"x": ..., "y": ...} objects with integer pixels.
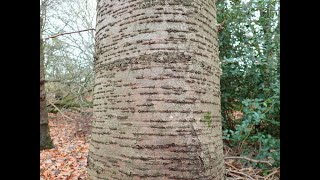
[{"x": 248, "y": 159}]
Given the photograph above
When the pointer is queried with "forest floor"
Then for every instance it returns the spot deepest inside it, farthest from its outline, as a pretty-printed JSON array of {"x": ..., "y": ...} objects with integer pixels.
[{"x": 68, "y": 159}]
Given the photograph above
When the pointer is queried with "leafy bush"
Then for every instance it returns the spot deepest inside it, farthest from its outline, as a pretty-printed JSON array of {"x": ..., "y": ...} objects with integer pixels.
[{"x": 249, "y": 54}]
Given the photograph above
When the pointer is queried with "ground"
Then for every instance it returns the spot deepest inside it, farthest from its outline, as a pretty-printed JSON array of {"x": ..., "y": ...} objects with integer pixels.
[
  {"x": 68, "y": 159},
  {"x": 70, "y": 133}
]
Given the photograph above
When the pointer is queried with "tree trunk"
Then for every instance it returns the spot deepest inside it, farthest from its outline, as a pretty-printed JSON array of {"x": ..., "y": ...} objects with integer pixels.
[
  {"x": 45, "y": 140},
  {"x": 157, "y": 91}
]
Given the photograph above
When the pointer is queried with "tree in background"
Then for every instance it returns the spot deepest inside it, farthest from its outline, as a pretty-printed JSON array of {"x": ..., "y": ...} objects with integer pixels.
[
  {"x": 45, "y": 140},
  {"x": 69, "y": 53},
  {"x": 66, "y": 62},
  {"x": 157, "y": 91}
]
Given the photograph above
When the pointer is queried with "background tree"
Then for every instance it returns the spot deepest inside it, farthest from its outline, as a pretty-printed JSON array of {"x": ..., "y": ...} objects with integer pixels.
[
  {"x": 66, "y": 62},
  {"x": 157, "y": 91},
  {"x": 45, "y": 140},
  {"x": 69, "y": 57}
]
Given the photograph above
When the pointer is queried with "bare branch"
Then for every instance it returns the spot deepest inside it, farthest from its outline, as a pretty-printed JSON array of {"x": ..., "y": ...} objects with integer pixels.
[
  {"x": 232, "y": 166},
  {"x": 54, "y": 36},
  {"x": 60, "y": 111},
  {"x": 240, "y": 173},
  {"x": 51, "y": 81},
  {"x": 248, "y": 159},
  {"x": 271, "y": 174}
]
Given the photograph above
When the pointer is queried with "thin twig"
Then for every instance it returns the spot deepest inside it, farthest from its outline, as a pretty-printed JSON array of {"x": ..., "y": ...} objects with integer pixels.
[
  {"x": 220, "y": 25},
  {"x": 229, "y": 149},
  {"x": 247, "y": 169},
  {"x": 61, "y": 112},
  {"x": 269, "y": 175},
  {"x": 241, "y": 174},
  {"x": 54, "y": 80},
  {"x": 248, "y": 159},
  {"x": 255, "y": 174},
  {"x": 231, "y": 166},
  {"x": 61, "y": 34},
  {"x": 236, "y": 176},
  {"x": 241, "y": 144}
]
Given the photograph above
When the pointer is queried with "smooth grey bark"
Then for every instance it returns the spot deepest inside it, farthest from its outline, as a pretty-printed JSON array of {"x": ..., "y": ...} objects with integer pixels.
[
  {"x": 157, "y": 91},
  {"x": 45, "y": 140}
]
